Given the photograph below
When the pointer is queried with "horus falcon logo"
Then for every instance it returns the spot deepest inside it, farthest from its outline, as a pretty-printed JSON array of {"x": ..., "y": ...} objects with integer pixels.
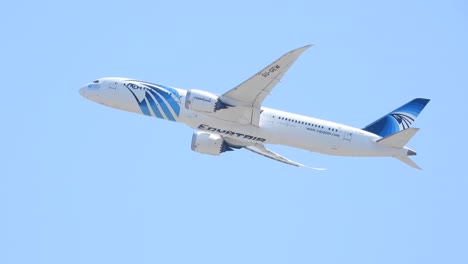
[
  {"x": 159, "y": 101},
  {"x": 404, "y": 120}
]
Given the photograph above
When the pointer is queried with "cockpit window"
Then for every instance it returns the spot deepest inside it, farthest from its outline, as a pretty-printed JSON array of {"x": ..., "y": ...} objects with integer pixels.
[{"x": 96, "y": 81}]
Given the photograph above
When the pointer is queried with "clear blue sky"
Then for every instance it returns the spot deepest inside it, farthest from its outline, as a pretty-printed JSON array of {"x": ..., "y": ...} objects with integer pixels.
[{"x": 82, "y": 183}]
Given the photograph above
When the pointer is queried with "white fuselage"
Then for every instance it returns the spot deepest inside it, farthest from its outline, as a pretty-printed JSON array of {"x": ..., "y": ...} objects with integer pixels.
[{"x": 275, "y": 126}]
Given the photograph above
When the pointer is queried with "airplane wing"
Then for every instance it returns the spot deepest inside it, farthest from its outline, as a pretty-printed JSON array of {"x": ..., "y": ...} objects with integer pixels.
[
  {"x": 260, "y": 149},
  {"x": 248, "y": 96}
]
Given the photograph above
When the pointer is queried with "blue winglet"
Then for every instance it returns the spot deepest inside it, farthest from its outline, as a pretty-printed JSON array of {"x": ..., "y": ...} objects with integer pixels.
[{"x": 399, "y": 119}]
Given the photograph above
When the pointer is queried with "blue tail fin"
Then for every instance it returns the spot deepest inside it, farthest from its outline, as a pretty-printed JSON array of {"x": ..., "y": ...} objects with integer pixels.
[{"x": 399, "y": 119}]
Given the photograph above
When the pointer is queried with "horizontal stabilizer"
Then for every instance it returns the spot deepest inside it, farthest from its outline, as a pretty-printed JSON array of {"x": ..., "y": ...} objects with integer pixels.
[
  {"x": 408, "y": 161},
  {"x": 399, "y": 139}
]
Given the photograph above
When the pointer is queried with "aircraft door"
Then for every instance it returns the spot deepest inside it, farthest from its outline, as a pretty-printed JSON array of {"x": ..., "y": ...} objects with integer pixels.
[
  {"x": 113, "y": 85},
  {"x": 347, "y": 136}
]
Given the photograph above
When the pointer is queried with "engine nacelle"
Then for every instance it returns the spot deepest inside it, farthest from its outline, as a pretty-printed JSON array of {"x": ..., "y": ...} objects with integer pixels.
[
  {"x": 208, "y": 143},
  {"x": 201, "y": 101}
]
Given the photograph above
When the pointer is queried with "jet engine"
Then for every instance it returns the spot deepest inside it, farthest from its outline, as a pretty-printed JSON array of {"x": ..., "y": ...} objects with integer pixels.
[
  {"x": 201, "y": 101},
  {"x": 208, "y": 143}
]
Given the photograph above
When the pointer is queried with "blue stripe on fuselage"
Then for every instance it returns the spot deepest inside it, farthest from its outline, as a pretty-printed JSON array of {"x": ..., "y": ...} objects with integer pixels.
[
  {"x": 153, "y": 105},
  {"x": 174, "y": 105},
  {"x": 163, "y": 105},
  {"x": 143, "y": 105}
]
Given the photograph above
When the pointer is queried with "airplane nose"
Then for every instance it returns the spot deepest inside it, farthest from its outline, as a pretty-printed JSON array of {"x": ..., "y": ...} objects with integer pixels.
[{"x": 83, "y": 91}]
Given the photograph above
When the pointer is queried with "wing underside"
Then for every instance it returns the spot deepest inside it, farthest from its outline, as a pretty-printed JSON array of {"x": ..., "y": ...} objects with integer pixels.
[{"x": 260, "y": 149}]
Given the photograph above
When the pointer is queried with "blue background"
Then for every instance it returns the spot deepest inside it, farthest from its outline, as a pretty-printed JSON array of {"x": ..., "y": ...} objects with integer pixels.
[{"x": 83, "y": 183}]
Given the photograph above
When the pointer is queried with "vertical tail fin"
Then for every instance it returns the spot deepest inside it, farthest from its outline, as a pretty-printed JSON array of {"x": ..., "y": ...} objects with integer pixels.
[{"x": 399, "y": 119}]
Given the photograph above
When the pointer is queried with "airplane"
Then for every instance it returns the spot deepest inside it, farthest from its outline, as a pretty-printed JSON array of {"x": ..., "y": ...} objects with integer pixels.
[{"x": 237, "y": 119}]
